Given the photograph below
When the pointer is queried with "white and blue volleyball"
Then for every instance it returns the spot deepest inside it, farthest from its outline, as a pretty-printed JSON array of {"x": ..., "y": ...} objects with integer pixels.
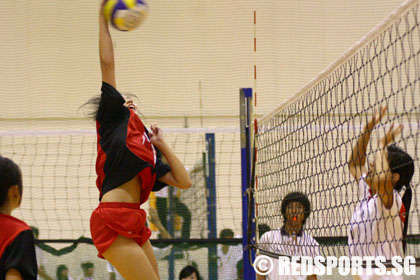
[{"x": 125, "y": 15}]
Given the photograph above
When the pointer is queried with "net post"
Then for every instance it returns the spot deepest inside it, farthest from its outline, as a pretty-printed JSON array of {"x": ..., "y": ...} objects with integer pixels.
[
  {"x": 245, "y": 99},
  {"x": 211, "y": 202}
]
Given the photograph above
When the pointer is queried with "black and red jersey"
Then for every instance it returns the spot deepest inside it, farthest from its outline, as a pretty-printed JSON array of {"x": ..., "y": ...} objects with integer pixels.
[
  {"x": 124, "y": 148},
  {"x": 17, "y": 249}
]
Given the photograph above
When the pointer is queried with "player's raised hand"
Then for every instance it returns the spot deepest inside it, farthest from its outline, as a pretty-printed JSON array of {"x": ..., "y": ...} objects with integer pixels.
[
  {"x": 156, "y": 135},
  {"x": 376, "y": 118},
  {"x": 390, "y": 135}
]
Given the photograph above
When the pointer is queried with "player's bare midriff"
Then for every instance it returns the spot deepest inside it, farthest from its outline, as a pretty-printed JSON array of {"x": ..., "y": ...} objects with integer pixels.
[{"x": 128, "y": 192}]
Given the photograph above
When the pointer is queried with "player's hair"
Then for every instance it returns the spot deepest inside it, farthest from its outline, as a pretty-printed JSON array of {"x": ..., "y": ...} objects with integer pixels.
[
  {"x": 60, "y": 270},
  {"x": 263, "y": 228},
  {"x": 92, "y": 106},
  {"x": 226, "y": 232},
  {"x": 402, "y": 163},
  {"x": 296, "y": 197},
  {"x": 93, "y": 103},
  {"x": 10, "y": 175},
  {"x": 188, "y": 271},
  {"x": 86, "y": 265}
]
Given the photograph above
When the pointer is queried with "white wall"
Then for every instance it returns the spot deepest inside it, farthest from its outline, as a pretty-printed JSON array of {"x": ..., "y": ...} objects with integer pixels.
[{"x": 49, "y": 53}]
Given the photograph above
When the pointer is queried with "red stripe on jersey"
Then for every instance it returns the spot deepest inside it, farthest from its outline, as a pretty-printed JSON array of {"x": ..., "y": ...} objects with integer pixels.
[
  {"x": 147, "y": 183},
  {"x": 10, "y": 229},
  {"x": 138, "y": 140},
  {"x": 403, "y": 213},
  {"x": 100, "y": 162}
]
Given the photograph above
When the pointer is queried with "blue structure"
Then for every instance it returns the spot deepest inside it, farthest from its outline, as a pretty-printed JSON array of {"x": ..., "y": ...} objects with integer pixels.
[{"x": 246, "y": 167}]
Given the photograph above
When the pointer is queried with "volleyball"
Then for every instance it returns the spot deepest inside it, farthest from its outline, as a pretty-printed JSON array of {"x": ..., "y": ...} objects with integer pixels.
[{"x": 125, "y": 15}]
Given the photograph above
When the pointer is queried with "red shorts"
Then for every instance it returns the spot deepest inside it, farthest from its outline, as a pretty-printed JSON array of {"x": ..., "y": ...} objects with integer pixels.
[{"x": 110, "y": 219}]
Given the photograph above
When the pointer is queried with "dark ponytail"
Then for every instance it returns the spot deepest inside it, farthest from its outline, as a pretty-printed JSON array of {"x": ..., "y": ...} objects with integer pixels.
[
  {"x": 406, "y": 199},
  {"x": 91, "y": 107},
  {"x": 402, "y": 163}
]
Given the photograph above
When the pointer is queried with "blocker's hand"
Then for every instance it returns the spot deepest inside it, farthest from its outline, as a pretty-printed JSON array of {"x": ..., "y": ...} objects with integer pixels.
[
  {"x": 376, "y": 118},
  {"x": 390, "y": 135}
]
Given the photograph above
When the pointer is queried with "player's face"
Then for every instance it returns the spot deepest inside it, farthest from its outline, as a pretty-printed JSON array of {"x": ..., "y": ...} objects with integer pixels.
[
  {"x": 129, "y": 103},
  {"x": 89, "y": 271},
  {"x": 191, "y": 277},
  {"x": 295, "y": 213}
]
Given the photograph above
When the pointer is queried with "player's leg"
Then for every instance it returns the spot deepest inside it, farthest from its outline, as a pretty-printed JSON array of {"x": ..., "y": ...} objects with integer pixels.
[
  {"x": 148, "y": 250},
  {"x": 130, "y": 259}
]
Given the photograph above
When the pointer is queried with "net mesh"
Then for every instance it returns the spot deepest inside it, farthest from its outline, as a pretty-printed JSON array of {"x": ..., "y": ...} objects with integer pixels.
[
  {"x": 60, "y": 194},
  {"x": 181, "y": 63},
  {"x": 305, "y": 144},
  {"x": 50, "y": 259}
]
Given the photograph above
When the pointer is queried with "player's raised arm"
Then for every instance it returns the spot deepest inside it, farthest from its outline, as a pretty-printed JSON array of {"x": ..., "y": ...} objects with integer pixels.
[
  {"x": 383, "y": 181},
  {"x": 178, "y": 176},
  {"x": 357, "y": 158},
  {"x": 106, "y": 50}
]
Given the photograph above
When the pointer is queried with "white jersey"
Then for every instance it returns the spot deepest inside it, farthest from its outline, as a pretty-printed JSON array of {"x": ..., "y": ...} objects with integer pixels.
[
  {"x": 375, "y": 230},
  {"x": 226, "y": 263},
  {"x": 279, "y": 242}
]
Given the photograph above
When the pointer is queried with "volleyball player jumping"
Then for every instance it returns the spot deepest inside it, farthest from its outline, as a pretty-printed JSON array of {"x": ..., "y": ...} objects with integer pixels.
[
  {"x": 128, "y": 166},
  {"x": 379, "y": 223}
]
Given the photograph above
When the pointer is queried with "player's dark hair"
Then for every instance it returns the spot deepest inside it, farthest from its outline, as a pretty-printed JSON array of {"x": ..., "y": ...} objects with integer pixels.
[
  {"x": 188, "y": 271},
  {"x": 92, "y": 105},
  {"x": 296, "y": 197},
  {"x": 10, "y": 175},
  {"x": 86, "y": 265},
  {"x": 60, "y": 270},
  {"x": 263, "y": 228},
  {"x": 224, "y": 233},
  {"x": 402, "y": 163}
]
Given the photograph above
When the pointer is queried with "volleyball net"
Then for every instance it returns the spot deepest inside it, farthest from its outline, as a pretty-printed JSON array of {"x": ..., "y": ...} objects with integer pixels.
[
  {"x": 305, "y": 144},
  {"x": 59, "y": 195}
]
